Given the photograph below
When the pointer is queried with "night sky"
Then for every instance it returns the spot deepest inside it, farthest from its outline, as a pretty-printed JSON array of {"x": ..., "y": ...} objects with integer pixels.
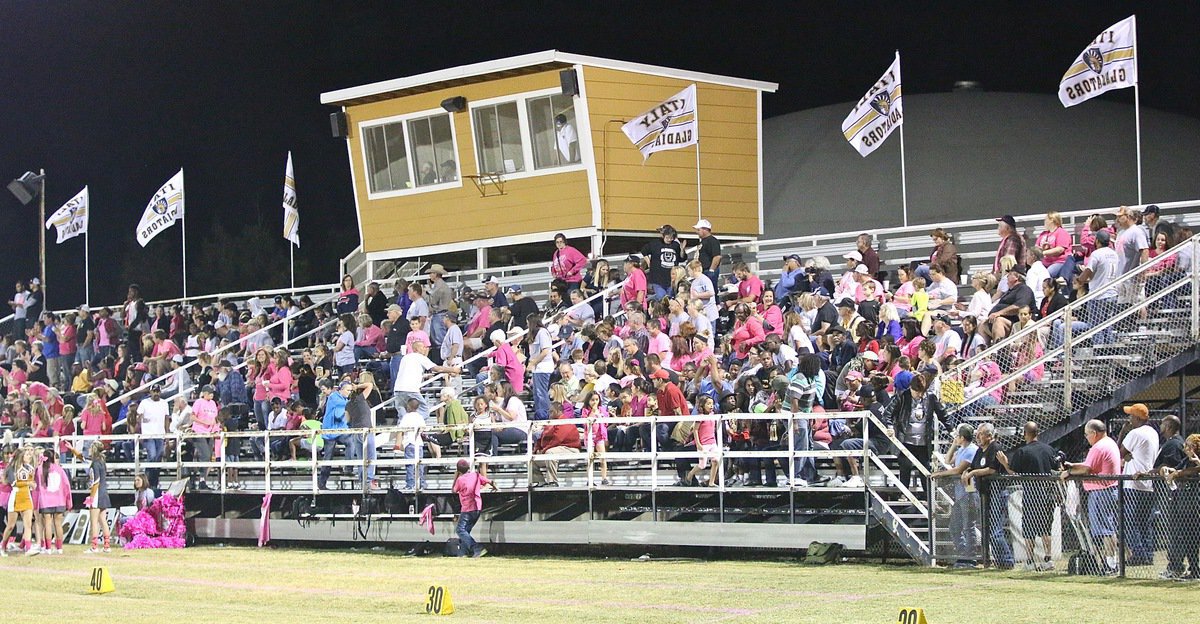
[{"x": 119, "y": 96}]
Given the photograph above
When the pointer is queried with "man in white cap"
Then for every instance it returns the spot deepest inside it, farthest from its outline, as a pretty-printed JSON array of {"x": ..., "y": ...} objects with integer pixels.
[
  {"x": 410, "y": 375},
  {"x": 847, "y": 286},
  {"x": 86, "y": 337},
  {"x": 439, "y": 297},
  {"x": 492, "y": 286},
  {"x": 710, "y": 250}
]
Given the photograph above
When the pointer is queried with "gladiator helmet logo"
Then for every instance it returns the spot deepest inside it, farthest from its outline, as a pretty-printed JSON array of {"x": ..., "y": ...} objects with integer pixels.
[
  {"x": 882, "y": 103},
  {"x": 1094, "y": 60},
  {"x": 160, "y": 206}
]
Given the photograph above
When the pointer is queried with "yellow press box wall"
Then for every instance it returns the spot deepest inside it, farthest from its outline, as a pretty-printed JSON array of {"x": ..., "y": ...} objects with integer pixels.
[
  {"x": 540, "y": 203},
  {"x": 637, "y": 197}
]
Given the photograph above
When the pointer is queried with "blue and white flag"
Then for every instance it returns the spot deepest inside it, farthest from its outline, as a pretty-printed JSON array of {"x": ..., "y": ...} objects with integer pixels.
[
  {"x": 1108, "y": 62},
  {"x": 877, "y": 114}
]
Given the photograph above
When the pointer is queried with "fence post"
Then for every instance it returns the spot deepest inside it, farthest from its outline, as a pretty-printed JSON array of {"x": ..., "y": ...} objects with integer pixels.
[
  {"x": 1121, "y": 529},
  {"x": 985, "y": 524},
  {"x": 1068, "y": 320},
  {"x": 1195, "y": 287}
]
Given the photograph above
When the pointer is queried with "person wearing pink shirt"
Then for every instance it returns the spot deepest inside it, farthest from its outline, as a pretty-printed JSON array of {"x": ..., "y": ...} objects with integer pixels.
[
  {"x": 567, "y": 263},
  {"x": 279, "y": 384},
  {"x": 469, "y": 487},
  {"x": 771, "y": 314},
  {"x": 747, "y": 331},
  {"x": 258, "y": 375},
  {"x": 750, "y": 288},
  {"x": 204, "y": 421},
  {"x": 658, "y": 342},
  {"x": 54, "y": 500},
  {"x": 371, "y": 340},
  {"x": 635, "y": 282},
  {"x": 506, "y": 358},
  {"x": 1103, "y": 458},
  {"x": 477, "y": 328},
  {"x": 1055, "y": 243}
]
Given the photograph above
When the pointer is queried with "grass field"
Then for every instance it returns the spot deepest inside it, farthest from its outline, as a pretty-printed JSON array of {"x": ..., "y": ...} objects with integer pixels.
[{"x": 218, "y": 585}]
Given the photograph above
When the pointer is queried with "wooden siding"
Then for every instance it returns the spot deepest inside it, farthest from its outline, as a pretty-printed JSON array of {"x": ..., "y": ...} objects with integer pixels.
[
  {"x": 552, "y": 201},
  {"x": 636, "y": 196}
]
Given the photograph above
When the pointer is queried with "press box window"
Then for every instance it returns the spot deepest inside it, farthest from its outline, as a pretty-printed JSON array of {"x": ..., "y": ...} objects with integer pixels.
[
  {"x": 553, "y": 131},
  {"x": 498, "y": 138},
  {"x": 404, "y": 155}
]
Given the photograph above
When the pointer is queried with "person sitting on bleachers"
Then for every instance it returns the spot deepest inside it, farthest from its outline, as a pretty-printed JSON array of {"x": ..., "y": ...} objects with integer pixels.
[
  {"x": 1004, "y": 313},
  {"x": 555, "y": 440}
]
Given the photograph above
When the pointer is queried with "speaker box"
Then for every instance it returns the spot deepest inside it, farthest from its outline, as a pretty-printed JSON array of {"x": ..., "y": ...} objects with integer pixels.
[
  {"x": 455, "y": 104},
  {"x": 338, "y": 125},
  {"x": 570, "y": 83}
]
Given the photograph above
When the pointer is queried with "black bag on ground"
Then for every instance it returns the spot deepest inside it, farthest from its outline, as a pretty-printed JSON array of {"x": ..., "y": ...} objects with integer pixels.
[
  {"x": 455, "y": 548},
  {"x": 1083, "y": 564}
]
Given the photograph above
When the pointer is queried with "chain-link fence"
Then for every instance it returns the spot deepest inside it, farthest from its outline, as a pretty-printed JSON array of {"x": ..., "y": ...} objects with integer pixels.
[
  {"x": 1079, "y": 355},
  {"x": 1093, "y": 526}
]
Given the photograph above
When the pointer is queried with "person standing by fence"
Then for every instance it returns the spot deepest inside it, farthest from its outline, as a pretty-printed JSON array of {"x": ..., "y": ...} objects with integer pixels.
[
  {"x": 1039, "y": 498},
  {"x": 1103, "y": 458},
  {"x": 985, "y": 464},
  {"x": 1139, "y": 449}
]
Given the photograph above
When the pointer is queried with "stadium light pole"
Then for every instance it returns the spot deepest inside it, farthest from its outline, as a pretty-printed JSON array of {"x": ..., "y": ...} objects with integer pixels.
[{"x": 25, "y": 188}]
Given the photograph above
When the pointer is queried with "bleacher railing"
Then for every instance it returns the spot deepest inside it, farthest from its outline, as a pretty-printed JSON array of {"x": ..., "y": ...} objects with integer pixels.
[
  {"x": 524, "y": 458},
  {"x": 1092, "y": 347}
]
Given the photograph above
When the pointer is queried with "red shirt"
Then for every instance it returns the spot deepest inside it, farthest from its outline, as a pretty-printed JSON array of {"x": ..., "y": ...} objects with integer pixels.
[{"x": 671, "y": 401}]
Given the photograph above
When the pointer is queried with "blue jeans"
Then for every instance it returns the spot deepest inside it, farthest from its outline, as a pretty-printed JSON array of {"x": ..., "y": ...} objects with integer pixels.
[
  {"x": 1139, "y": 523},
  {"x": 806, "y": 467},
  {"x": 372, "y": 454},
  {"x": 437, "y": 329},
  {"x": 466, "y": 522},
  {"x": 923, "y": 272},
  {"x": 1100, "y": 311},
  {"x": 541, "y": 396},
  {"x": 508, "y": 435},
  {"x": 713, "y": 275},
  {"x": 261, "y": 409},
  {"x": 658, "y": 292},
  {"x": 331, "y": 443},
  {"x": 154, "y": 453},
  {"x": 394, "y": 366},
  {"x": 365, "y": 353},
  {"x": 413, "y": 451},
  {"x": 964, "y": 526},
  {"x": 1058, "y": 333},
  {"x": 1002, "y": 555}
]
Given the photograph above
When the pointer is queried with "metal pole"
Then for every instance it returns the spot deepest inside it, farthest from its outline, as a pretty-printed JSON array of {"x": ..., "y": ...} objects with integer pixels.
[
  {"x": 183, "y": 236},
  {"x": 1137, "y": 114},
  {"x": 42, "y": 238},
  {"x": 985, "y": 525},
  {"x": 1195, "y": 287},
  {"x": 1067, "y": 321},
  {"x": 1121, "y": 529}
]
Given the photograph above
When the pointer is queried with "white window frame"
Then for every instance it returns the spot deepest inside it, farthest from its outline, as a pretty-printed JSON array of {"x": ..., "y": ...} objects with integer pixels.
[
  {"x": 521, "y": 99},
  {"x": 412, "y": 165}
]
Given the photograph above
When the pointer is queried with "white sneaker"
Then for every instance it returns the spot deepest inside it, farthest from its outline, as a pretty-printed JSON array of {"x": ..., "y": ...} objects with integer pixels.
[
  {"x": 13, "y": 546},
  {"x": 854, "y": 482},
  {"x": 798, "y": 482},
  {"x": 837, "y": 481},
  {"x": 782, "y": 481},
  {"x": 33, "y": 551}
]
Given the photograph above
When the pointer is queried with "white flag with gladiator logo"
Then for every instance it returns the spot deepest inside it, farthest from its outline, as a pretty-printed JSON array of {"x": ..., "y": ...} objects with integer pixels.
[
  {"x": 671, "y": 124},
  {"x": 1108, "y": 62},
  {"x": 291, "y": 214},
  {"x": 877, "y": 114},
  {"x": 164, "y": 209},
  {"x": 72, "y": 219}
]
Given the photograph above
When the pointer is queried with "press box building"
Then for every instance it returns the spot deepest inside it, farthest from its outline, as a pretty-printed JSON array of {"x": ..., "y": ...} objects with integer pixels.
[{"x": 469, "y": 161}]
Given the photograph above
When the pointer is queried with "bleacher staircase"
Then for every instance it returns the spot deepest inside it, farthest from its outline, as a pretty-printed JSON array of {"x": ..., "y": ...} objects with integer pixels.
[{"x": 1087, "y": 369}]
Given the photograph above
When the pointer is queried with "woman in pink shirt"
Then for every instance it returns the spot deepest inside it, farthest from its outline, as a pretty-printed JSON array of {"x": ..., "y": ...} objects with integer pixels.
[
  {"x": 204, "y": 421},
  {"x": 1055, "y": 243},
  {"x": 634, "y": 288},
  {"x": 506, "y": 358},
  {"x": 705, "y": 438},
  {"x": 258, "y": 376},
  {"x": 567, "y": 263},
  {"x": 771, "y": 314},
  {"x": 469, "y": 487},
  {"x": 747, "y": 331},
  {"x": 95, "y": 418},
  {"x": 280, "y": 383}
]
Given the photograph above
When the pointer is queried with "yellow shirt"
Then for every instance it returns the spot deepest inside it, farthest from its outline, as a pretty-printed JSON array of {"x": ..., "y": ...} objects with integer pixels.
[{"x": 920, "y": 304}]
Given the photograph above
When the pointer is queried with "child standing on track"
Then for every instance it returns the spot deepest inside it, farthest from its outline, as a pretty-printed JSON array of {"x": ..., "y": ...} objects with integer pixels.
[
  {"x": 98, "y": 501},
  {"x": 469, "y": 485}
]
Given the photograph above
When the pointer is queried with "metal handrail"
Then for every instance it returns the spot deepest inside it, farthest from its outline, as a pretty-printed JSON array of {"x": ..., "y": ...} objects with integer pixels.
[
  {"x": 241, "y": 340},
  {"x": 1072, "y": 307}
]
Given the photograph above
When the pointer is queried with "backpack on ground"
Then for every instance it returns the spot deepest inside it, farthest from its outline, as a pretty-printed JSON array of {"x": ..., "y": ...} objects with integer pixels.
[
  {"x": 455, "y": 548},
  {"x": 820, "y": 553}
]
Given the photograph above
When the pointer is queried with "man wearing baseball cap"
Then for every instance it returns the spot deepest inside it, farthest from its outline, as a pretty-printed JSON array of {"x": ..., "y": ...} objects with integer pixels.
[
  {"x": 1011, "y": 243},
  {"x": 1139, "y": 449},
  {"x": 790, "y": 278},
  {"x": 439, "y": 297},
  {"x": 1103, "y": 266},
  {"x": 710, "y": 250},
  {"x": 410, "y": 374},
  {"x": 664, "y": 254}
]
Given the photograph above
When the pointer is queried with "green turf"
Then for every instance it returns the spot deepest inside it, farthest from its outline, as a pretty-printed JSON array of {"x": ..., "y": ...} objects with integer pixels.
[{"x": 217, "y": 585}]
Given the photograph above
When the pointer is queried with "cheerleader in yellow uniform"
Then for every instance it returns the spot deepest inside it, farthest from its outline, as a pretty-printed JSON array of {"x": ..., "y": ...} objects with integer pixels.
[{"x": 21, "y": 500}]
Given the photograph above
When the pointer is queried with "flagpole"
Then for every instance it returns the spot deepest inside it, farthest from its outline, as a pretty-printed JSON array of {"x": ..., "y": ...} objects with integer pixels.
[
  {"x": 1137, "y": 112},
  {"x": 87, "y": 268},
  {"x": 292, "y": 264},
  {"x": 903, "y": 175},
  {"x": 696, "y": 125},
  {"x": 183, "y": 234}
]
